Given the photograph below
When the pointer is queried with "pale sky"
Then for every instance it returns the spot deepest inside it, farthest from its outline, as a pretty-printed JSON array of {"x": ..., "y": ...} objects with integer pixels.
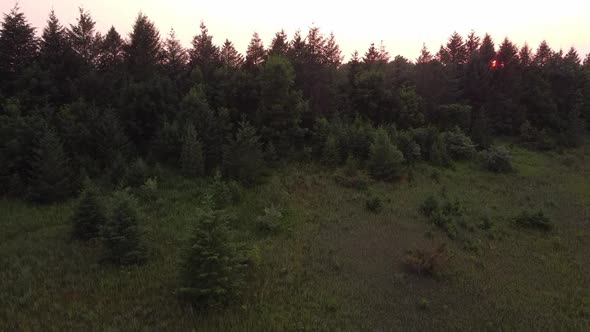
[{"x": 402, "y": 26}]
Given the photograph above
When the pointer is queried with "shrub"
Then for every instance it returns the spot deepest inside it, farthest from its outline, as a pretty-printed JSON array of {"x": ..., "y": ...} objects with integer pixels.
[
  {"x": 351, "y": 166},
  {"x": 536, "y": 220},
  {"x": 385, "y": 160},
  {"x": 438, "y": 154},
  {"x": 271, "y": 220},
  {"x": 331, "y": 153},
  {"x": 224, "y": 193},
  {"x": 149, "y": 190},
  {"x": 427, "y": 262},
  {"x": 211, "y": 273},
  {"x": 137, "y": 173},
  {"x": 89, "y": 215},
  {"x": 409, "y": 148},
  {"x": 497, "y": 159},
  {"x": 374, "y": 204},
  {"x": 458, "y": 144},
  {"x": 120, "y": 235},
  {"x": 429, "y": 206}
]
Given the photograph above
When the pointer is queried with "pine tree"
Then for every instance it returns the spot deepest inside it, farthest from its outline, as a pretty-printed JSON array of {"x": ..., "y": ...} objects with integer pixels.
[
  {"x": 111, "y": 54},
  {"x": 279, "y": 45},
  {"x": 84, "y": 39},
  {"x": 243, "y": 159},
  {"x": 230, "y": 57},
  {"x": 142, "y": 52},
  {"x": 121, "y": 234},
  {"x": 211, "y": 272},
  {"x": 53, "y": 44},
  {"x": 543, "y": 55},
  {"x": 51, "y": 176},
  {"x": 18, "y": 44},
  {"x": 376, "y": 55},
  {"x": 385, "y": 160},
  {"x": 472, "y": 44},
  {"x": 204, "y": 54},
  {"x": 425, "y": 56},
  {"x": 255, "y": 53},
  {"x": 191, "y": 155},
  {"x": 89, "y": 215}
]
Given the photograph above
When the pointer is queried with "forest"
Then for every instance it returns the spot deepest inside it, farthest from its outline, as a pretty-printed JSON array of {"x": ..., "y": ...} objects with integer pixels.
[{"x": 148, "y": 185}]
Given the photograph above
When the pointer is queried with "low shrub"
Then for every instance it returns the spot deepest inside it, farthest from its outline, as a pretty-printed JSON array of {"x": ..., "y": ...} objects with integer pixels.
[
  {"x": 429, "y": 206},
  {"x": 496, "y": 159},
  {"x": 224, "y": 193},
  {"x": 427, "y": 262},
  {"x": 458, "y": 144},
  {"x": 536, "y": 220},
  {"x": 271, "y": 220},
  {"x": 374, "y": 204}
]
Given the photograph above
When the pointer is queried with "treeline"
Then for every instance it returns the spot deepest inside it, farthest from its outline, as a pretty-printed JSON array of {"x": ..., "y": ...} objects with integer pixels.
[{"x": 77, "y": 103}]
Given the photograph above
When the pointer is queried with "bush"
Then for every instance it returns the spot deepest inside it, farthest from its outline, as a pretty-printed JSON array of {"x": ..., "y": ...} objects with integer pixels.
[
  {"x": 458, "y": 145},
  {"x": 536, "y": 220},
  {"x": 120, "y": 235},
  {"x": 374, "y": 204},
  {"x": 427, "y": 262},
  {"x": 438, "y": 154},
  {"x": 149, "y": 190},
  {"x": 429, "y": 206},
  {"x": 331, "y": 153},
  {"x": 271, "y": 220},
  {"x": 385, "y": 160},
  {"x": 137, "y": 173},
  {"x": 409, "y": 148},
  {"x": 351, "y": 166},
  {"x": 224, "y": 193},
  {"x": 211, "y": 273},
  {"x": 497, "y": 159},
  {"x": 89, "y": 215}
]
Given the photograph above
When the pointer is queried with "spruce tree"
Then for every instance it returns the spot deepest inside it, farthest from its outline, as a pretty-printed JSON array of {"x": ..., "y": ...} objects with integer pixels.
[
  {"x": 89, "y": 215},
  {"x": 84, "y": 39},
  {"x": 255, "y": 53},
  {"x": 191, "y": 155},
  {"x": 243, "y": 159},
  {"x": 211, "y": 272},
  {"x": 110, "y": 56},
  {"x": 279, "y": 45},
  {"x": 18, "y": 45},
  {"x": 143, "y": 51},
  {"x": 174, "y": 57},
  {"x": 121, "y": 234},
  {"x": 331, "y": 153},
  {"x": 385, "y": 160},
  {"x": 51, "y": 176},
  {"x": 230, "y": 57}
]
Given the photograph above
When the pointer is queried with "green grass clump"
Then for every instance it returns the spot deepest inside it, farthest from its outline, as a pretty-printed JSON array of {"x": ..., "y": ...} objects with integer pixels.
[{"x": 536, "y": 220}]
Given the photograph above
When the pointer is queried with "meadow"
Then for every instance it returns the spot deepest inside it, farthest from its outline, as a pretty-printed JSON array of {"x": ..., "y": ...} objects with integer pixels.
[{"x": 331, "y": 263}]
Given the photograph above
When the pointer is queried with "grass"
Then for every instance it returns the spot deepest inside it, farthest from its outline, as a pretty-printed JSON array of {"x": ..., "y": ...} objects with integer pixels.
[{"x": 333, "y": 265}]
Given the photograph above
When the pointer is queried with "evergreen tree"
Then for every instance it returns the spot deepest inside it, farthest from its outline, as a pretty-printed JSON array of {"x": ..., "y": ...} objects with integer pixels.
[
  {"x": 331, "y": 153},
  {"x": 281, "y": 105},
  {"x": 18, "y": 45},
  {"x": 255, "y": 53},
  {"x": 211, "y": 272},
  {"x": 472, "y": 44},
  {"x": 89, "y": 215},
  {"x": 84, "y": 39},
  {"x": 204, "y": 54},
  {"x": 279, "y": 45},
  {"x": 143, "y": 51},
  {"x": 230, "y": 57},
  {"x": 191, "y": 156},
  {"x": 51, "y": 176},
  {"x": 243, "y": 159},
  {"x": 425, "y": 56},
  {"x": 121, "y": 234},
  {"x": 53, "y": 44},
  {"x": 385, "y": 160},
  {"x": 111, "y": 54}
]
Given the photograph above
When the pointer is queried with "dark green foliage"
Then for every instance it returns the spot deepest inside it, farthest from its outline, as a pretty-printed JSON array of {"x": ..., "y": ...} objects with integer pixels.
[
  {"x": 497, "y": 159},
  {"x": 243, "y": 159},
  {"x": 458, "y": 145},
  {"x": 410, "y": 149},
  {"x": 438, "y": 154},
  {"x": 191, "y": 154},
  {"x": 89, "y": 215},
  {"x": 385, "y": 160},
  {"x": 211, "y": 272},
  {"x": 168, "y": 142},
  {"x": 224, "y": 193},
  {"x": 536, "y": 220},
  {"x": 271, "y": 221},
  {"x": 331, "y": 153},
  {"x": 374, "y": 204},
  {"x": 121, "y": 234},
  {"x": 429, "y": 206},
  {"x": 18, "y": 44},
  {"x": 137, "y": 173},
  {"x": 51, "y": 176}
]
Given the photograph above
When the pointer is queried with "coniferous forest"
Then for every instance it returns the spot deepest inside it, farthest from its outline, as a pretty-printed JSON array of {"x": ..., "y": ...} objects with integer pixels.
[{"x": 148, "y": 185}]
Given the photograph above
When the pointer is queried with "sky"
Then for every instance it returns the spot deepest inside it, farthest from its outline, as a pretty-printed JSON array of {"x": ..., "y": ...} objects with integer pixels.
[{"x": 403, "y": 26}]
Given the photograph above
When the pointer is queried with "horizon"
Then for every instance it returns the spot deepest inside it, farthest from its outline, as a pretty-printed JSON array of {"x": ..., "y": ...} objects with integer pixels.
[{"x": 403, "y": 35}]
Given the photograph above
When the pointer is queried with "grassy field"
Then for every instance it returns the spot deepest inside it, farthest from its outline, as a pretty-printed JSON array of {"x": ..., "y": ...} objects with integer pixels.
[{"x": 334, "y": 265}]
